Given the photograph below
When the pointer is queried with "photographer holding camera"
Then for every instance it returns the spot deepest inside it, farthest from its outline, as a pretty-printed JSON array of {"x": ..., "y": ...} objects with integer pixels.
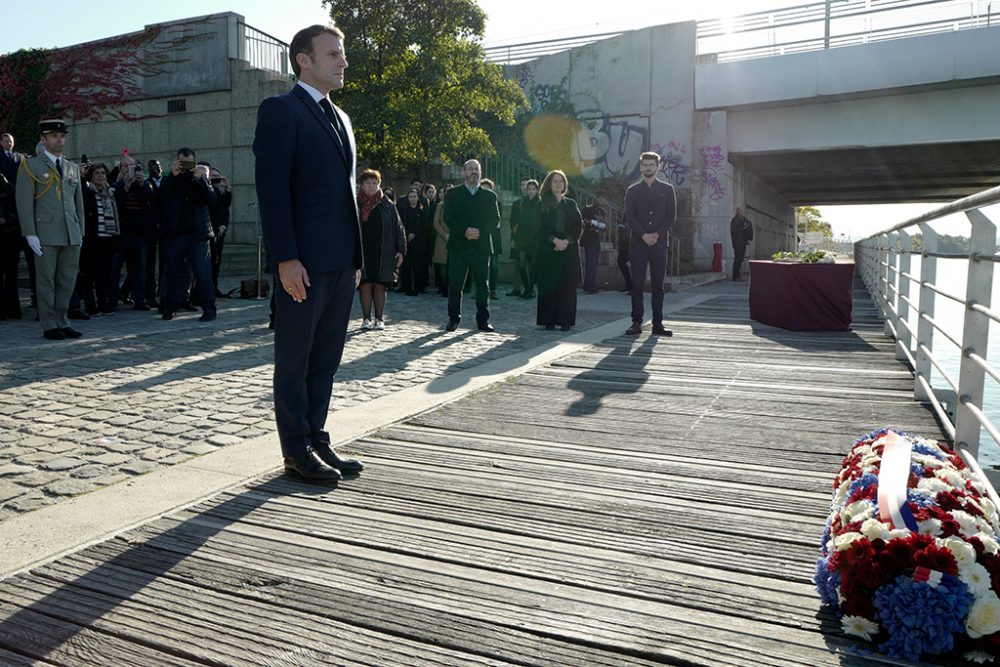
[
  {"x": 220, "y": 220},
  {"x": 186, "y": 198},
  {"x": 136, "y": 198}
]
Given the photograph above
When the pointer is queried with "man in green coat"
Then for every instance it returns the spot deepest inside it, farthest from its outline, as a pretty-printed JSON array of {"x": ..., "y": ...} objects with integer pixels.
[
  {"x": 50, "y": 206},
  {"x": 472, "y": 215}
]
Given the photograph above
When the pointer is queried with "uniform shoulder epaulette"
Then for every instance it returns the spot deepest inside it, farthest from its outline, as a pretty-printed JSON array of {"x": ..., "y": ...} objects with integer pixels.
[{"x": 47, "y": 184}]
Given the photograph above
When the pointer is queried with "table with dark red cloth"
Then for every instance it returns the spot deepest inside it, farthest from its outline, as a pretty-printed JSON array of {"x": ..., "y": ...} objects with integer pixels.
[{"x": 802, "y": 297}]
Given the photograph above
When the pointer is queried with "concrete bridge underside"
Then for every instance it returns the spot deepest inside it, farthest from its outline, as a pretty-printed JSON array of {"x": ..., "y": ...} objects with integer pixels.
[{"x": 916, "y": 173}]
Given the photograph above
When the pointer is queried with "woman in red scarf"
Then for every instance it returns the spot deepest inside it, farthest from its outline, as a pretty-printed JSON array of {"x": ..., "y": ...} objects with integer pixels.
[{"x": 383, "y": 243}]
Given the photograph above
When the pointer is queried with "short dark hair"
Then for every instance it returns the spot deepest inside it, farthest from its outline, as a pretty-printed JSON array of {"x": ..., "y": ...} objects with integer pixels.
[
  {"x": 416, "y": 180},
  {"x": 370, "y": 174},
  {"x": 531, "y": 181},
  {"x": 650, "y": 155},
  {"x": 185, "y": 151},
  {"x": 6, "y": 134},
  {"x": 303, "y": 43},
  {"x": 205, "y": 163},
  {"x": 99, "y": 165}
]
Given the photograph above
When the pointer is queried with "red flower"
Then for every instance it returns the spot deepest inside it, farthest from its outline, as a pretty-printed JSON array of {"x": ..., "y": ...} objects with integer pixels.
[
  {"x": 859, "y": 605},
  {"x": 895, "y": 559},
  {"x": 948, "y": 501},
  {"x": 934, "y": 558}
]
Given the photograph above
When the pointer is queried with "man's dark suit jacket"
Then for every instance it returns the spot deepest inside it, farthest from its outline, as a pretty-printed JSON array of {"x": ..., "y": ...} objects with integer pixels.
[
  {"x": 305, "y": 190},
  {"x": 462, "y": 210},
  {"x": 9, "y": 167}
]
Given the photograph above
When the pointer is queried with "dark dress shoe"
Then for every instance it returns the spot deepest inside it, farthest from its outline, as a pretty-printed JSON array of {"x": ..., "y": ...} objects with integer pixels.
[
  {"x": 207, "y": 317},
  {"x": 141, "y": 306},
  {"x": 54, "y": 334},
  {"x": 152, "y": 303},
  {"x": 452, "y": 325},
  {"x": 550, "y": 327},
  {"x": 78, "y": 315},
  {"x": 565, "y": 327},
  {"x": 658, "y": 330},
  {"x": 70, "y": 332},
  {"x": 627, "y": 288},
  {"x": 190, "y": 307},
  {"x": 487, "y": 327},
  {"x": 167, "y": 315},
  {"x": 634, "y": 330},
  {"x": 528, "y": 295},
  {"x": 310, "y": 466},
  {"x": 330, "y": 457},
  {"x": 514, "y": 292}
]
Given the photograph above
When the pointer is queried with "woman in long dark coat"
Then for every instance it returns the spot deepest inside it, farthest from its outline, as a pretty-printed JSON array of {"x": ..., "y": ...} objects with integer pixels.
[
  {"x": 383, "y": 244},
  {"x": 557, "y": 258}
]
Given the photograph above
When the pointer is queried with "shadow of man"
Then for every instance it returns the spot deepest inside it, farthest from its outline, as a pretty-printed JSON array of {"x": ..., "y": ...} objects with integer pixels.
[{"x": 621, "y": 371}]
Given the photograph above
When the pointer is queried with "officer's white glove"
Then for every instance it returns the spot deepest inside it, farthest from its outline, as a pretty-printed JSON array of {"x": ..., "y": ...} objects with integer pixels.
[{"x": 35, "y": 244}]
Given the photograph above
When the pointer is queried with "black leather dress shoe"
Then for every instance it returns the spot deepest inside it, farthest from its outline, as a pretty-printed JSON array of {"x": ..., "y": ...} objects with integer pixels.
[
  {"x": 70, "y": 332},
  {"x": 207, "y": 317},
  {"x": 78, "y": 315},
  {"x": 330, "y": 457},
  {"x": 634, "y": 330},
  {"x": 658, "y": 330},
  {"x": 452, "y": 325},
  {"x": 487, "y": 327},
  {"x": 310, "y": 466},
  {"x": 167, "y": 315},
  {"x": 54, "y": 334}
]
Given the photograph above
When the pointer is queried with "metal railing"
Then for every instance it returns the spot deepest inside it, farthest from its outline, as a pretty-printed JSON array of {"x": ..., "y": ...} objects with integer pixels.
[
  {"x": 262, "y": 50},
  {"x": 883, "y": 262},
  {"x": 507, "y": 171},
  {"x": 808, "y": 27}
]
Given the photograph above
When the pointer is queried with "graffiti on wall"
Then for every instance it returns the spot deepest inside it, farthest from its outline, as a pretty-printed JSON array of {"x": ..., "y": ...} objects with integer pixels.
[
  {"x": 673, "y": 166},
  {"x": 713, "y": 167},
  {"x": 546, "y": 97},
  {"x": 607, "y": 146}
]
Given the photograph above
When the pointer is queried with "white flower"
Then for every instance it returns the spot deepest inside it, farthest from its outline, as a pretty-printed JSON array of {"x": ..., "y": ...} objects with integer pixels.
[
  {"x": 964, "y": 553},
  {"x": 859, "y": 626},
  {"x": 979, "y": 657},
  {"x": 984, "y": 617},
  {"x": 951, "y": 476},
  {"x": 966, "y": 522},
  {"x": 932, "y": 485},
  {"x": 929, "y": 527},
  {"x": 926, "y": 461},
  {"x": 874, "y": 529},
  {"x": 843, "y": 541},
  {"x": 841, "y": 494},
  {"x": 977, "y": 578},
  {"x": 857, "y": 511},
  {"x": 989, "y": 543},
  {"x": 899, "y": 533}
]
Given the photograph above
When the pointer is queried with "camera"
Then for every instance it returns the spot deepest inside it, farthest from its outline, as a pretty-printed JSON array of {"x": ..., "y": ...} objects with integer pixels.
[
  {"x": 187, "y": 165},
  {"x": 215, "y": 181}
]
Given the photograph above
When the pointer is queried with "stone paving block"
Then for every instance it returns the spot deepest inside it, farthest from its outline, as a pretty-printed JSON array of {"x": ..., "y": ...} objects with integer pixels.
[
  {"x": 223, "y": 440},
  {"x": 31, "y": 503},
  {"x": 90, "y": 471},
  {"x": 140, "y": 467},
  {"x": 12, "y": 469},
  {"x": 154, "y": 453},
  {"x": 9, "y": 490},
  {"x": 110, "y": 459},
  {"x": 64, "y": 463},
  {"x": 123, "y": 446},
  {"x": 202, "y": 448},
  {"x": 59, "y": 447},
  {"x": 110, "y": 478},
  {"x": 229, "y": 429},
  {"x": 70, "y": 487},
  {"x": 37, "y": 458},
  {"x": 36, "y": 478}
]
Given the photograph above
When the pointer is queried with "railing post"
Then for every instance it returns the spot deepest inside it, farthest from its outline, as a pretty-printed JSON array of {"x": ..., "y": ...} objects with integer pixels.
[
  {"x": 903, "y": 308},
  {"x": 891, "y": 282},
  {"x": 925, "y": 330},
  {"x": 976, "y": 333}
]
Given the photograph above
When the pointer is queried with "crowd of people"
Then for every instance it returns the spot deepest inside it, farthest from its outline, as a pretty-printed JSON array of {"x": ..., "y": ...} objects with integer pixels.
[{"x": 165, "y": 230}]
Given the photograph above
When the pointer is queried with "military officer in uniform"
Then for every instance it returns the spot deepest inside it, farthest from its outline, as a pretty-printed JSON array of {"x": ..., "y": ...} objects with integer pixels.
[{"x": 50, "y": 206}]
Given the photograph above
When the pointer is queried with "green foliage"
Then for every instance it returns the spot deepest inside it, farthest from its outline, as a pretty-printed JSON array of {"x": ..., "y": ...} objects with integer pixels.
[
  {"x": 802, "y": 257},
  {"x": 419, "y": 88},
  {"x": 22, "y": 77},
  {"x": 814, "y": 220},
  {"x": 946, "y": 243}
]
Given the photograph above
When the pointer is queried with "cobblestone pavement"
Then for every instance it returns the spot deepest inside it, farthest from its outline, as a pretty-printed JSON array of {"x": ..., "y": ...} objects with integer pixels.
[{"x": 137, "y": 393}]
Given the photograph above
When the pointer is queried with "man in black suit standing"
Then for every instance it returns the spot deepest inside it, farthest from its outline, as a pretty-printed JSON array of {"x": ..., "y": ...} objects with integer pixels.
[
  {"x": 471, "y": 214},
  {"x": 10, "y": 161},
  {"x": 305, "y": 164}
]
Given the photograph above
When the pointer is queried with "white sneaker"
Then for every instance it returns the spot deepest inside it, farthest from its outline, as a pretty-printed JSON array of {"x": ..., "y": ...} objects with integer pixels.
[
  {"x": 367, "y": 325},
  {"x": 379, "y": 325}
]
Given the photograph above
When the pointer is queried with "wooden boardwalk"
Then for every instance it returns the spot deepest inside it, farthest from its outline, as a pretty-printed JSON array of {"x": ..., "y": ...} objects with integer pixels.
[{"x": 643, "y": 502}]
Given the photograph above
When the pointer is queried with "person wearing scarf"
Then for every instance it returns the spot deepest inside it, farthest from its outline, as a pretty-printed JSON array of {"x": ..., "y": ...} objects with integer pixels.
[
  {"x": 101, "y": 242},
  {"x": 383, "y": 244}
]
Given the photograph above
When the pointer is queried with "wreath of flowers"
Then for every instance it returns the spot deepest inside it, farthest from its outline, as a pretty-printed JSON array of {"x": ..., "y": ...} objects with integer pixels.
[{"x": 924, "y": 585}]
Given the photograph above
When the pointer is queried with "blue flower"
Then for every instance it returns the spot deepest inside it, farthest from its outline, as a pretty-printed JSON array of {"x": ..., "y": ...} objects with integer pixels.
[
  {"x": 921, "y": 619},
  {"x": 862, "y": 483},
  {"x": 920, "y": 499},
  {"x": 916, "y": 469},
  {"x": 827, "y": 583},
  {"x": 927, "y": 450},
  {"x": 826, "y": 534}
]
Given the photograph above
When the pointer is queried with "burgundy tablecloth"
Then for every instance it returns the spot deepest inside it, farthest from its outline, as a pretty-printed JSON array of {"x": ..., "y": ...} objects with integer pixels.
[{"x": 802, "y": 297}]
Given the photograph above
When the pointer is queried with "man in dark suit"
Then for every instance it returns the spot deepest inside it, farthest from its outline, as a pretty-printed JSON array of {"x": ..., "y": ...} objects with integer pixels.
[
  {"x": 740, "y": 233},
  {"x": 650, "y": 212},
  {"x": 10, "y": 161},
  {"x": 472, "y": 215},
  {"x": 305, "y": 164}
]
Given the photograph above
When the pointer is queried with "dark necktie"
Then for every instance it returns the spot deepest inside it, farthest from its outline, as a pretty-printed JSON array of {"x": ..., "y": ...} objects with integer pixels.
[
  {"x": 59, "y": 166},
  {"x": 335, "y": 121}
]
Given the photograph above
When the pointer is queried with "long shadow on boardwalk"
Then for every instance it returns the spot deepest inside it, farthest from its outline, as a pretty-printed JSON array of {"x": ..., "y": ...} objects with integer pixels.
[{"x": 607, "y": 378}]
